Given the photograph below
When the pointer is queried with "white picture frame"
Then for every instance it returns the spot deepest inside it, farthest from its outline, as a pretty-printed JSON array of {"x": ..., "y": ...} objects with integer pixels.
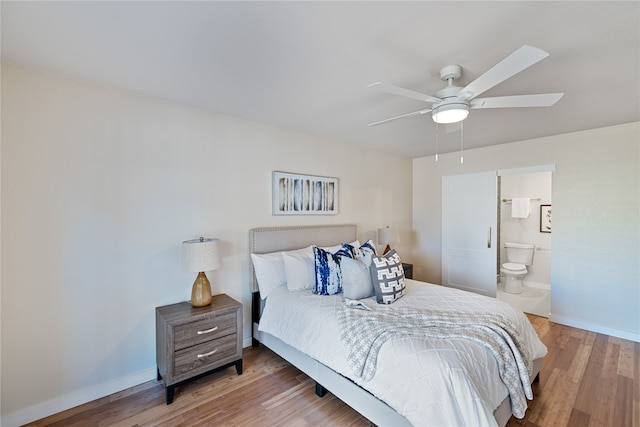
[
  {"x": 545, "y": 218},
  {"x": 297, "y": 194}
]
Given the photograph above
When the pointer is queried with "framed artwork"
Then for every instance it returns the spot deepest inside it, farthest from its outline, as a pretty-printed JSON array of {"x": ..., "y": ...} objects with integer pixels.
[
  {"x": 545, "y": 218},
  {"x": 295, "y": 194}
]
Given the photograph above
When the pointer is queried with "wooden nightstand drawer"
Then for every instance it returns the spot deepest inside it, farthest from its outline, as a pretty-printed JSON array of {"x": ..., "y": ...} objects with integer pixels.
[
  {"x": 204, "y": 330},
  {"x": 203, "y": 357},
  {"x": 191, "y": 341}
]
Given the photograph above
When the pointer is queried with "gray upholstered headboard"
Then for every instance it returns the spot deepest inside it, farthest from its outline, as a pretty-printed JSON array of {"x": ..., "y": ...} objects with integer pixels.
[{"x": 273, "y": 239}]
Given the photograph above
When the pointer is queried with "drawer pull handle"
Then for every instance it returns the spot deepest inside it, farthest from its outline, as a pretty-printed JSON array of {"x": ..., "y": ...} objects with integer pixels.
[
  {"x": 206, "y": 331},
  {"x": 207, "y": 354}
]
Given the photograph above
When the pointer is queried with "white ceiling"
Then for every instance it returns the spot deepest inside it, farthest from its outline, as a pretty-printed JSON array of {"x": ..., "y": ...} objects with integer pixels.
[{"x": 306, "y": 65}]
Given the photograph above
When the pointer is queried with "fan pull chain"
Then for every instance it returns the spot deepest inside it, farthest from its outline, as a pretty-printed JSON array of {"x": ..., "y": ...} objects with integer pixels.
[
  {"x": 436, "y": 141},
  {"x": 462, "y": 142}
]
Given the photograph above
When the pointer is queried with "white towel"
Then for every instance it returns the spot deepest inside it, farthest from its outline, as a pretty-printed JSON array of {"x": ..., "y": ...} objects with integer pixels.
[{"x": 520, "y": 207}]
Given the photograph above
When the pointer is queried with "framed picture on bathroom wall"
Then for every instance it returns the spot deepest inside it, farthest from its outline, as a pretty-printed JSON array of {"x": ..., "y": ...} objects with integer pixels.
[{"x": 545, "y": 218}]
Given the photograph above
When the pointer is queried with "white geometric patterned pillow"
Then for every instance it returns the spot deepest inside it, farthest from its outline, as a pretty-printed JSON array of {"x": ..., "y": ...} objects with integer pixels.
[{"x": 387, "y": 276}]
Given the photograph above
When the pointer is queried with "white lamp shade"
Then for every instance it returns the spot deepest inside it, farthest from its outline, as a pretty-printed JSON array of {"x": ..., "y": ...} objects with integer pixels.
[
  {"x": 386, "y": 236},
  {"x": 200, "y": 255}
]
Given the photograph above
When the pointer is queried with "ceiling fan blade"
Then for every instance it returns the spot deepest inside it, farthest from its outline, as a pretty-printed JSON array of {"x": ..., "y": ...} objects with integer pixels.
[
  {"x": 518, "y": 61},
  {"x": 415, "y": 113},
  {"x": 395, "y": 90},
  {"x": 539, "y": 100}
]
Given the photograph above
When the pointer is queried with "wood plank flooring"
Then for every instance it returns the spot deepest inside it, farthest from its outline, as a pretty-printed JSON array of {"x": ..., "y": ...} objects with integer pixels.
[{"x": 587, "y": 380}]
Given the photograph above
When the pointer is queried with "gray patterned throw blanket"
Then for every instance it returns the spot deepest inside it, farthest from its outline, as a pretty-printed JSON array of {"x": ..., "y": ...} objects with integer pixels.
[{"x": 364, "y": 332}]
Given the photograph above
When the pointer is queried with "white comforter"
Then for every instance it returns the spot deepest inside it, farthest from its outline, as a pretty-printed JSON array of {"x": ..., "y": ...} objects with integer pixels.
[{"x": 430, "y": 382}]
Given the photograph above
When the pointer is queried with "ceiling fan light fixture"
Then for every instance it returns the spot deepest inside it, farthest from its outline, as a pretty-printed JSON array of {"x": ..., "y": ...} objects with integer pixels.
[
  {"x": 450, "y": 113},
  {"x": 452, "y": 103}
]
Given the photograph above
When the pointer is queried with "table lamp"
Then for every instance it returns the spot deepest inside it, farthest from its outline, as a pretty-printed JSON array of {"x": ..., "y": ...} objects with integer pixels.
[
  {"x": 200, "y": 255},
  {"x": 386, "y": 236}
]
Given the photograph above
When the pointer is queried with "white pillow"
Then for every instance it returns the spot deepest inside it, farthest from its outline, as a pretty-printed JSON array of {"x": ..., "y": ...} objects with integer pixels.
[
  {"x": 299, "y": 269},
  {"x": 356, "y": 278},
  {"x": 270, "y": 273}
]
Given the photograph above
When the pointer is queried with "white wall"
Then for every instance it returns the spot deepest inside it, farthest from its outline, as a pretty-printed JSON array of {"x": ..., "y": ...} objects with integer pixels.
[
  {"x": 527, "y": 230},
  {"x": 596, "y": 220},
  {"x": 99, "y": 187}
]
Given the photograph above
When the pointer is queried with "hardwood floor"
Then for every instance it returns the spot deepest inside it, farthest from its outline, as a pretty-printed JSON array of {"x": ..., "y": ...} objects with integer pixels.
[{"x": 587, "y": 379}]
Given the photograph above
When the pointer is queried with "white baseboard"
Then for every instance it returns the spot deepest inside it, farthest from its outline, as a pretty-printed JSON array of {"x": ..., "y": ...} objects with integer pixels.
[
  {"x": 80, "y": 397},
  {"x": 76, "y": 398},
  {"x": 627, "y": 335},
  {"x": 537, "y": 285},
  {"x": 544, "y": 286}
]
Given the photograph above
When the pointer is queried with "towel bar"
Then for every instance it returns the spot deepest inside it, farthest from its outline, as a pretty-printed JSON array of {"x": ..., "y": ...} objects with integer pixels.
[{"x": 533, "y": 200}]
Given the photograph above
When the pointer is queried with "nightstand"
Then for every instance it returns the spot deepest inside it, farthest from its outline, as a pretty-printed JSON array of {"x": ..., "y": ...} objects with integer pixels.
[
  {"x": 408, "y": 270},
  {"x": 192, "y": 341}
]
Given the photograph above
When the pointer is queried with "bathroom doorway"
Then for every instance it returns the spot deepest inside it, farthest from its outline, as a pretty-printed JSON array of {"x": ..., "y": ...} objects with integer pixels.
[
  {"x": 537, "y": 187},
  {"x": 470, "y": 231}
]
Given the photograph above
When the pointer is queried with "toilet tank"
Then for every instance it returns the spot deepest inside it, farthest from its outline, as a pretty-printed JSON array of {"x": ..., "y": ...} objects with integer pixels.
[{"x": 521, "y": 253}]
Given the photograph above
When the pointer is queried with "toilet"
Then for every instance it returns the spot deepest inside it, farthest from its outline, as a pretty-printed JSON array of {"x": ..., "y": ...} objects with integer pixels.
[{"x": 519, "y": 256}]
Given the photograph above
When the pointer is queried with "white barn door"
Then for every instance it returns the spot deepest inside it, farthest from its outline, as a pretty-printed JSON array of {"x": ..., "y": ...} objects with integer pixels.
[{"x": 469, "y": 232}]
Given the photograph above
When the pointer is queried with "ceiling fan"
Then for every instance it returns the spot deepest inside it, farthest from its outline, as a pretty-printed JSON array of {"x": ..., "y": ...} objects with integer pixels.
[{"x": 452, "y": 104}]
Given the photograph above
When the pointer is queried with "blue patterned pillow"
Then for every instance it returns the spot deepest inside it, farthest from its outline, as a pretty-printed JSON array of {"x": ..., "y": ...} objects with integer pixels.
[
  {"x": 387, "y": 276},
  {"x": 345, "y": 250},
  {"x": 328, "y": 273},
  {"x": 366, "y": 249}
]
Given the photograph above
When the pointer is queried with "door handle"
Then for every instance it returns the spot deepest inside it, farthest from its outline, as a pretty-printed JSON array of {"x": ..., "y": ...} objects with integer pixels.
[{"x": 489, "y": 238}]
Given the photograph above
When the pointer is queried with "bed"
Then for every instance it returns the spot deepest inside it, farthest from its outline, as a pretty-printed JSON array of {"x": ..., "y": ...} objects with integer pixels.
[{"x": 405, "y": 387}]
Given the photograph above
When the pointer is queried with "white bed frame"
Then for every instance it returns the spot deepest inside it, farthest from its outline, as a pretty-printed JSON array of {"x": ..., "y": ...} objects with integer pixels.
[{"x": 264, "y": 240}]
